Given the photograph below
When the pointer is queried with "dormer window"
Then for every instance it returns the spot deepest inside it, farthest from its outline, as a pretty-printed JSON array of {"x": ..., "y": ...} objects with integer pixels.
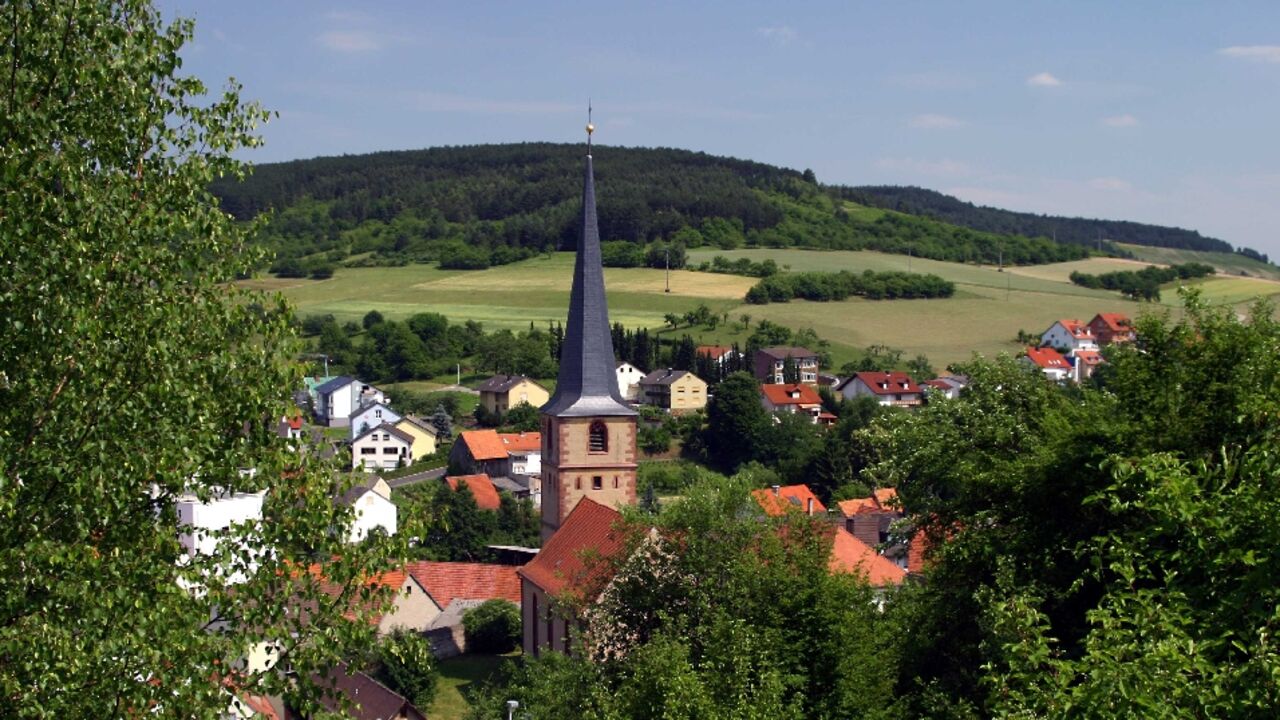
[{"x": 598, "y": 438}]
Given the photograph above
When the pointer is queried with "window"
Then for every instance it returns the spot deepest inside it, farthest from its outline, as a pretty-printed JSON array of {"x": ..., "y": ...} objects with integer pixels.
[
  {"x": 597, "y": 482},
  {"x": 377, "y": 413},
  {"x": 390, "y": 451},
  {"x": 369, "y": 451},
  {"x": 577, "y": 483},
  {"x": 598, "y": 438},
  {"x": 615, "y": 482}
]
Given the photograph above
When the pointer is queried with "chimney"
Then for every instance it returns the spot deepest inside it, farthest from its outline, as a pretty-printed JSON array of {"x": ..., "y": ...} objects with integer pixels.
[
  {"x": 809, "y": 506},
  {"x": 776, "y": 489}
]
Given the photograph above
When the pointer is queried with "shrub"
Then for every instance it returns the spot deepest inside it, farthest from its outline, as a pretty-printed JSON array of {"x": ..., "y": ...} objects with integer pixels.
[
  {"x": 408, "y": 667},
  {"x": 493, "y": 627}
]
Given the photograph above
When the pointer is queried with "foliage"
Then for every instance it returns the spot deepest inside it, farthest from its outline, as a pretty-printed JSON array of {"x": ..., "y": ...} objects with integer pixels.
[
  {"x": 492, "y": 627},
  {"x": 407, "y": 665},
  {"x": 518, "y": 523},
  {"x": 824, "y": 287},
  {"x": 460, "y": 530},
  {"x": 521, "y": 418},
  {"x": 741, "y": 266},
  {"x": 1142, "y": 284},
  {"x": 131, "y": 373}
]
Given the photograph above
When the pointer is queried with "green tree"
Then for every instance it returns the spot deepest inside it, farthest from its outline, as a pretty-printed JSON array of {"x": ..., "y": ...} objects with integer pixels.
[
  {"x": 133, "y": 372},
  {"x": 493, "y": 627},
  {"x": 517, "y": 522},
  {"x": 442, "y": 421},
  {"x": 522, "y": 418},
  {"x": 736, "y": 422},
  {"x": 407, "y": 665},
  {"x": 371, "y": 318},
  {"x": 790, "y": 370}
]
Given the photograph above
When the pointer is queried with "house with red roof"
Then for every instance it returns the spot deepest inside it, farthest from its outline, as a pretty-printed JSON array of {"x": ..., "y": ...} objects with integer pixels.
[
  {"x": 575, "y": 560},
  {"x": 868, "y": 518},
  {"x": 851, "y": 555},
  {"x": 1085, "y": 363},
  {"x": 1069, "y": 335},
  {"x": 778, "y": 500},
  {"x": 1111, "y": 328},
  {"x": 455, "y": 588},
  {"x": 1050, "y": 362},
  {"x": 719, "y": 354},
  {"x": 796, "y": 398},
  {"x": 496, "y": 454},
  {"x": 889, "y": 387},
  {"x": 481, "y": 487}
]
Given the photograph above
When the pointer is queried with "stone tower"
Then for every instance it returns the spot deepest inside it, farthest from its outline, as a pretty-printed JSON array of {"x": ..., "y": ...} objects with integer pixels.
[{"x": 588, "y": 430}]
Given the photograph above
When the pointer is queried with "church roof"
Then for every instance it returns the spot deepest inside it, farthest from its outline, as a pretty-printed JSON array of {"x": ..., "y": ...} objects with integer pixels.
[{"x": 588, "y": 383}]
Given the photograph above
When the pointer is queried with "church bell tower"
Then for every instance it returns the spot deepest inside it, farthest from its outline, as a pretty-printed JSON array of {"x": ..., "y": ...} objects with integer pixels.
[{"x": 588, "y": 430}]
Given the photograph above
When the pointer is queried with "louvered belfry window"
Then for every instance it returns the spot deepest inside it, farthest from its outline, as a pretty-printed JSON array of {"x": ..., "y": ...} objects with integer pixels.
[{"x": 598, "y": 438}]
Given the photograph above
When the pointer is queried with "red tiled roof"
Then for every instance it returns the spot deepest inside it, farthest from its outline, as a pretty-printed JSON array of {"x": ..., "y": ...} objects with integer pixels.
[
  {"x": 886, "y": 496},
  {"x": 1118, "y": 322},
  {"x": 1076, "y": 328},
  {"x": 883, "y": 499},
  {"x": 788, "y": 496},
  {"x": 481, "y": 487},
  {"x": 521, "y": 442},
  {"x": 714, "y": 351},
  {"x": 849, "y": 554},
  {"x": 893, "y": 382},
  {"x": 781, "y": 394},
  {"x": 591, "y": 528},
  {"x": 449, "y": 581},
  {"x": 484, "y": 444},
  {"x": 1047, "y": 358},
  {"x": 1088, "y": 357}
]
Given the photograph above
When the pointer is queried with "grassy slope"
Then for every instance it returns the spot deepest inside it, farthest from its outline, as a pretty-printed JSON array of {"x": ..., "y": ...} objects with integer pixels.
[
  {"x": 456, "y": 676},
  {"x": 1228, "y": 263},
  {"x": 988, "y": 309}
]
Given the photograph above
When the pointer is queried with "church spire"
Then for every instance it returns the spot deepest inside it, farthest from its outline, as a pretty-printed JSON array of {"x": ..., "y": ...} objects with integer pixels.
[{"x": 588, "y": 382}]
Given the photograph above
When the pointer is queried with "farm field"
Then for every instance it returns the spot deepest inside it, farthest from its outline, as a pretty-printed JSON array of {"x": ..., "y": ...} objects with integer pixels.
[
  {"x": 1228, "y": 263},
  {"x": 984, "y": 316}
]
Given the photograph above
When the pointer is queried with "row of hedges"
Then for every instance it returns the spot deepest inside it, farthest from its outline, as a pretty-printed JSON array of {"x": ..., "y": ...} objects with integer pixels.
[
  {"x": 823, "y": 287},
  {"x": 1142, "y": 284}
]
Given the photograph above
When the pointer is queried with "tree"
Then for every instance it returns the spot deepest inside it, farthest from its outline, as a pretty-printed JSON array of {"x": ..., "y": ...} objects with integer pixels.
[
  {"x": 790, "y": 370},
  {"x": 736, "y": 422},
  {"x": 442, "y": 422},
  {"x": 407, "y": 665},
  {"x": 133, "y": 372},
  {"x": 493, "y": 627},
  {"x": 522, "y": 418},
  {"x": 371, "y": 318},
  {"x": 518, "y": 523}
]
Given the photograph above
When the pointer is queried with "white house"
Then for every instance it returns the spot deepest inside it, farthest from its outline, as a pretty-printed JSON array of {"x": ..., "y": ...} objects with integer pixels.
[
  {"x": 888, "y": 388},
  {"x": 629, "y": 377},
  {"x": 384, "y": 447},
  {"x": 1069, "y": 334},
  {"x": 337, "y": 399},
  {"x": 1050, "y": 362},
  {"x": 371, "y": 416},
  {"x": 202, "y": 524},
  {"x": 948, "y": 386},
  {"x": 524, "y": 452},
  {"x": 371, "y": 501}
]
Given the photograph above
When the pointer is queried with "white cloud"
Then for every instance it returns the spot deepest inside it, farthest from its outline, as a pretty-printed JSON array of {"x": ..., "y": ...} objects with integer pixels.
[
  {"x": 934, "y": 168},
  {"x": 1110, "y": 184},
  {"x": 444, "y": 102},
  {"x": 1043, "y": 79},
  {"x": 781, "y": 34},
  {"x": 932, "y": 121},
  {"x": 349, "y": 41},
  {"x": 1254, "y": 53},
  {"x": 1120, "y": 121}
]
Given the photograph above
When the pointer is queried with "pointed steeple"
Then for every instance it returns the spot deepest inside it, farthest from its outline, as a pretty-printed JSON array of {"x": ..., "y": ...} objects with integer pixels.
[{"x": 588, "y": 382}]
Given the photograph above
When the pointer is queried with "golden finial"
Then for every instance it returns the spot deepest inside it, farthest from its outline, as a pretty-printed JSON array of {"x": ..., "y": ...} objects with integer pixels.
[{"x": 590, "y": 128}]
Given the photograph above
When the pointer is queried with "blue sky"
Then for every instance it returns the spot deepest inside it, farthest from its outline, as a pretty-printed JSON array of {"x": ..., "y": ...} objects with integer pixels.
[{"x": 1165, "y": 112}]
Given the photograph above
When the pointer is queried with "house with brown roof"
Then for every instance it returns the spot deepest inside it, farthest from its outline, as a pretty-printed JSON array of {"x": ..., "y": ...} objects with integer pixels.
[
  {"x": 425, "y": 435},
  {"x": 371, "y": 502},
  {"x": 500, "y": 393},
  {"x": 890, "y": 388},
  {"x": 1069, "y": 335},
  {"x": 575, "y": 559},
  {"x": 482, "y": 489},
  {"x": 367, "y": 698},
  {"x": 1050, "y": 362},
  {"x": 948, "y": 386},
  {"x": 1111, "y": 328},
  {"x": 384, "y": 447},
  {"x": 496, "y": 454},
  {"x": 796, "y": 398},
  {"x": 676, "y": 391},
  {"x": 779, "y": 500},
  {"x": 768, "y": 364}
]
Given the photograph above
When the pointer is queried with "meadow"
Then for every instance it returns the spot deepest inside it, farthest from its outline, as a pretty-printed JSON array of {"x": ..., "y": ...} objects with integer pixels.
[
  {"x": 1229, "y": 263},
  {"x": 988, "y": 309}
]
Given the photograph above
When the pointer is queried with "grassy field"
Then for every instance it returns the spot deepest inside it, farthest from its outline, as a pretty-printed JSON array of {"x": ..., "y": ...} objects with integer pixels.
[
  {"x": 988, "y": 309},
  {"x": 1228, "y": 263},
  {"x": 457, "y": 676}
]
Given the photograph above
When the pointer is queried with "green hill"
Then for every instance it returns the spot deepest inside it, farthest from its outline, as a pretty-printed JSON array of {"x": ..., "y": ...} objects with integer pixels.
[
  {"x": 478, "y": 206},
  {"x": 1227, "y": 263}
]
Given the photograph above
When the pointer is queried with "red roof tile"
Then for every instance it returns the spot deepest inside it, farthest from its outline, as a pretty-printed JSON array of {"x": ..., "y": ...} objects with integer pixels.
[
  {"x": 886, "y": 496},
  {"x": 591, "y": 529},
  {"x": 481, "y": 487},
  {"x": 521, "y": 442},
  {"x": 1047, "y": 358},
  {"x": 715, "y": 352},
  {"x": 782, "y": 394},
  {"x": 484, "y": 444},
  {"x": 1076, "y": 328},
  {"x": 883, "y": 499},
  {"x": 1118, "y": 322},
  {"x": 1088, "y": 357},
  {"x": 849, "y": 554},
  {"x": 788, "y": 497},
  {"x": 447, "y": 581},
  {"x": 887, "y": 382}
]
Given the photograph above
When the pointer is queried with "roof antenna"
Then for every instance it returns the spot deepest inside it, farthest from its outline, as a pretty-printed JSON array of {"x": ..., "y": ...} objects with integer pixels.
[{"x": 590, "y": 128}]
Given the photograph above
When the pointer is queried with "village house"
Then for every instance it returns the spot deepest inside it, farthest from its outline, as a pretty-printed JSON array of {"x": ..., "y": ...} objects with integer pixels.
[
  {"x": 890, "y": 388},
  {"x": 948, "y": 386},
  {"x": 371, "y": 501},
  {"x": 778, "y": 500},
  {"x": 1050, "y": 362},
  {"x": 384, "y": 447},
  {"x": 719, "y": 354},
  {"x": 456, "y": 587},
  {"x": 1085, "y": 363},
  {"x": 371, "y": 415},
  {"x": 676, "y": 391},
  {"x": 851, "y": 555},
  {"x": 337, "y": 399},
  {"x": 500, "y": 393},
  {"x": 769, "y": 363},
  {"x": 869, "y": 519},
  {"x": 496, "y": 454},
  {"x": 796, "y": 398},
  {"x": 203, "y": 523},
  {"x": 1069, "y": 335},
  {"x": 1111, "y": 328},
  {"x": 368, "y": 698},
  {"x": 290, "y": 427},
  {"x": 425, "y": 435},
  {"x": 629, "y": 377},
  {"x": 481, "y": 487}
]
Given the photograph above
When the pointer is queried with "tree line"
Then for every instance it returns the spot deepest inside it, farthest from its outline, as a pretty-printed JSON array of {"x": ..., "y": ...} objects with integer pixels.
[
  {"x": 833, "y": 286},
  {"x": 1142, "y": 284}
]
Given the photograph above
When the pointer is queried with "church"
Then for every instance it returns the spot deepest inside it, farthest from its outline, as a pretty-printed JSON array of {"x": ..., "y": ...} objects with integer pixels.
[{"x": 588, "y": 447}]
